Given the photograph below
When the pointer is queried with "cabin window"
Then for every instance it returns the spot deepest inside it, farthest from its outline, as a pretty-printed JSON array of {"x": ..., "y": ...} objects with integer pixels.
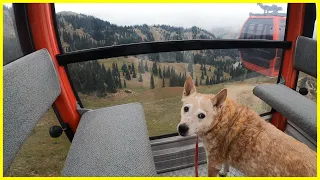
[
  {"x": 156, "y": 80},
  {"x": 258, "y": 28},
  {"x": 282, "y": 27},
  {"x": 309, "y": 83},
  {"x": 11, "y": 45}
]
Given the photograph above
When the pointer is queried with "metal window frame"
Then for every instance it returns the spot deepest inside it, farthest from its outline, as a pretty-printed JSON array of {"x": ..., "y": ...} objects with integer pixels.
[
  {"x": 165, "y": 46},
  {"x": 54, "y": 19}
]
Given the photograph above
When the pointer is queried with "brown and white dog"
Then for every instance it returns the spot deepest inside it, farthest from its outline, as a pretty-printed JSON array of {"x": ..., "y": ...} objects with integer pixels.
[{"x": 237, "y": 136}]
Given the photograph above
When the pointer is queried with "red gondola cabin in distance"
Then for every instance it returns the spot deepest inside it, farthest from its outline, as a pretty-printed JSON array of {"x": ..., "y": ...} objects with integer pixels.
[{"x": 270, "y": 26}]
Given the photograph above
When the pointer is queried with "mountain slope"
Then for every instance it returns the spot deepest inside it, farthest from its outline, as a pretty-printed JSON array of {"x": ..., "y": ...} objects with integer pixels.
[{"x": 79, "y": 31}]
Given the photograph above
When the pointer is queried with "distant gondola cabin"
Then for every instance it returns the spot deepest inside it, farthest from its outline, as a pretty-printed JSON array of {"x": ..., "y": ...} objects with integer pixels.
[{"x": 269, "y": 26}]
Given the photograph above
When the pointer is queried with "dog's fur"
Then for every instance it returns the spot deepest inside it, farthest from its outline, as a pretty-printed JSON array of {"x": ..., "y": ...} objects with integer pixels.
[{"x": 237, "y": 136}]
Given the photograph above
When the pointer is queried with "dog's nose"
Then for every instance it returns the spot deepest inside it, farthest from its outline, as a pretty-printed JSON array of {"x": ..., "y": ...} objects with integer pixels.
[{"x": 183, "y": 129}]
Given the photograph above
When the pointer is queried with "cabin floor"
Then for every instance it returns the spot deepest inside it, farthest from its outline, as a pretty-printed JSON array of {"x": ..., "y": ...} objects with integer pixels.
[
  {"x": 190, "y": 171},
  {"x": 174, "y": 156}
]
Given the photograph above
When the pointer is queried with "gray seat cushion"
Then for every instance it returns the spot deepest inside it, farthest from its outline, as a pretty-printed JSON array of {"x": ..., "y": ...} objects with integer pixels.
[
  {"x": 31, "y": 85},
  {"x": 111, "y": 141},
  {"x": 305, "y": 55},
  {"x": 297, "y": 108}
]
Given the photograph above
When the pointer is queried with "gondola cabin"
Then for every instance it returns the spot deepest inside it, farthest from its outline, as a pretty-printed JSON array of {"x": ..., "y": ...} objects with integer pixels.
[
  {"x": 263, "y": 26},
  {"x": 110, "y": 137}
]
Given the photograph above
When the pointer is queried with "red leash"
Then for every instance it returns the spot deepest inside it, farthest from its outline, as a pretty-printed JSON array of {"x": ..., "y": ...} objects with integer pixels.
[{"x": 196, "y": 158}]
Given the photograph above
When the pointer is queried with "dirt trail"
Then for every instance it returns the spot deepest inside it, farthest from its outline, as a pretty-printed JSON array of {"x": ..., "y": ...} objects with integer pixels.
[{"x": 237, "y": 91}]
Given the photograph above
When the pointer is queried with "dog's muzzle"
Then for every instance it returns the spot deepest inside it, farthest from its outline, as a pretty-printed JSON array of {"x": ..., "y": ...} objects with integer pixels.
[{"x": 183, "y": 129}]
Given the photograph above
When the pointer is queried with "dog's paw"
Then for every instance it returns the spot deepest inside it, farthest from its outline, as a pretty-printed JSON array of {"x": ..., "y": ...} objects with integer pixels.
[{"x": 222, "y": 175}]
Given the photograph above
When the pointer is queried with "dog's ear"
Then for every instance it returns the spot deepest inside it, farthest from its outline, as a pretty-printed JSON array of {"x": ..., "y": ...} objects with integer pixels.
[
  {"x": 219, "y": 98},
  {"x": 189, "y": 87}
]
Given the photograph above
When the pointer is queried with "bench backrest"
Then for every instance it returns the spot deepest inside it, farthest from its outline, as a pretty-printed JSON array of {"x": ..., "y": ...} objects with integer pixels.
[
  {"x": 31, "y": 85},
  {"x": 305, "y": 56}
]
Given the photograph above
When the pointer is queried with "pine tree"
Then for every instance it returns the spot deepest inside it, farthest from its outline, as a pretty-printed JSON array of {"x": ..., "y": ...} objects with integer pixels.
[
  {"x": 180, "y": 80},
  {"x": 132, "y": 67},
  {"x": 146, "y": 67},
  {"x": 218, "y": 78},
  {"x": 151, "y": 82},
  {"x": 117, "y": 67},
  {"x": 155, "y": 68},
  {"x": 200, "y": 82},
  {"x": 119, "y": 83},
  {"x": 168, "y": 73},
  {"x": 124, "y": 83},
  {"x": 111, "y": 86},
  {"x": 160, "y": 73},
  {"x": 196, "y": 84},
  {"x": 190, "y": 68},
  {"x": 139, "y": 67},
  {"x": 202, "y": 76},
  {"x": 124, "y": 67},
  {"x": 172, "y": 70},
  {"x": 128, "y": 76},
  {"x": 134, "y": 73},
  {"x": 174, "y": 80},
  {"x": 205, "y": 70},
  {"x": 100, "y": 82},
  {"x": 163, "y": 84},
  {"x": 116, "y": 75},
  {"x": 214, "y": 81},
  {"x": 104, "y": 73},
  {"x": 140, "y": 78},
  {"x": 207, "y": 81}
]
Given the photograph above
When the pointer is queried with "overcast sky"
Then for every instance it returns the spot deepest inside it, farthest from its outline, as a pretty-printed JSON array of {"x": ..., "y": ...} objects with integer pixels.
[{"x": 206, "y": 16}]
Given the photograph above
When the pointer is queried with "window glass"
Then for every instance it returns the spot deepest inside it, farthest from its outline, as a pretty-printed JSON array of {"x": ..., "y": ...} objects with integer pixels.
[
  {"x": 83, "y": 26},
  {"x": 156, "y": 81},
  {"x": 309, "y": 83},
  {"x": 11, "y": 45},
  {"x": 259, "y": 31},
  {"x": 41, "y": 155},
  {"x": 252, "y": 29},
  {"x": 282, "y": 27},
  {"x": 108, "y": 82}
]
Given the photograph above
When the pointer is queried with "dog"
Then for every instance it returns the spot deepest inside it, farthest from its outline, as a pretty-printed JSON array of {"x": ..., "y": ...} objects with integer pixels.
[{"x": 235, "y": 135}]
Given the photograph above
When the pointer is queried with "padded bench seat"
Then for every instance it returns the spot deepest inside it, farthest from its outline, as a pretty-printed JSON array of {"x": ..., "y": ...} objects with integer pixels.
[
  {"x": 111, "y": 141},
  {"x": 298, "y": 109}
]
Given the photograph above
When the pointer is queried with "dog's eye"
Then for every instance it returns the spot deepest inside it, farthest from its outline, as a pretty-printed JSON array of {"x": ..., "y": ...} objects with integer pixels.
[
  {"x": 201, "y": 116},
  {"x": 186, "y": 109}
]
